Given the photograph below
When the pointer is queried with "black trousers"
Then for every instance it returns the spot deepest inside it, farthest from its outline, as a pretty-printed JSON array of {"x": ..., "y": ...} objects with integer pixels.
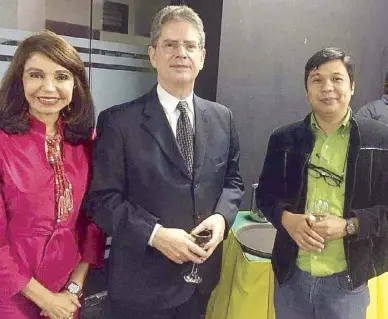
[{"x": 194, "y": 308}]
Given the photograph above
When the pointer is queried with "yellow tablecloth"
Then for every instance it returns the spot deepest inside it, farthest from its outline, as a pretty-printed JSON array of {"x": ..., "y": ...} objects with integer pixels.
[{"x": 245, "y": 290}]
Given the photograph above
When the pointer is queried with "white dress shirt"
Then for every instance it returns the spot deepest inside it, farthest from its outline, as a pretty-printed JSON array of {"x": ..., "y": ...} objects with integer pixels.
[{"x": 169, "y": 103}]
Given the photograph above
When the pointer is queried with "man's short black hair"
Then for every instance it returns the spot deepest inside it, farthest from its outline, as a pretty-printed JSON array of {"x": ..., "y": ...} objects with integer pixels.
[{"x": 329, "y": 54}]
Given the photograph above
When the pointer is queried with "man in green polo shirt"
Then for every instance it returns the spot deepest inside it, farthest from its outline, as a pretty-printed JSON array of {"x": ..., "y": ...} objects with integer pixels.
[
  {"x": 330, "y": 153},
  {"x": 324, "y": 186}
]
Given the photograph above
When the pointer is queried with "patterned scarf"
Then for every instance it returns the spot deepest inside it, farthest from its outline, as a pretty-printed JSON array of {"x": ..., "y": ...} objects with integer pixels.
[{"x": 62, "y": 186}]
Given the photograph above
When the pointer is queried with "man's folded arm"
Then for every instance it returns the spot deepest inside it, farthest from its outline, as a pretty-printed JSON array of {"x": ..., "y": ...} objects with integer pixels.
[
  {"x": 233, "y": 188},
  {"x": 129, "y": 224}
]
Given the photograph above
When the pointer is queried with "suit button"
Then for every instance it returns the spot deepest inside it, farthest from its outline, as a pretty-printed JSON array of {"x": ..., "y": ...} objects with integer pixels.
[
  {"x": 197, "y": 215},
  {"x": 196, "y": 185}
]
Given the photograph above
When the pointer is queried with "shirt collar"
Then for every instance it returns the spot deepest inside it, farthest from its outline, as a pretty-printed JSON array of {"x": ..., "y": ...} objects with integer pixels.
[
  {"x": 40, "y": 127},
  {"x": 170, "y": 102},
  {"x": 345, "y": 125}
]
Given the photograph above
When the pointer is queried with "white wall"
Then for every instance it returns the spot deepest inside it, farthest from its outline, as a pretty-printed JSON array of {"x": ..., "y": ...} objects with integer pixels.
[
  {"x": 8, "y": 14},
  {"x": 22, "y": 14},
  {"x": 111, "y": 87},
  {"x": 31, "y": 15},
  {"x": 69, "y": 11}
]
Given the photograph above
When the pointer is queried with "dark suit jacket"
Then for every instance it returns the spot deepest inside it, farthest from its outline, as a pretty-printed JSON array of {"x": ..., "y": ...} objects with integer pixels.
[
  {"x": 376, "y": 110},
  {"x": 140, "y": 179}
]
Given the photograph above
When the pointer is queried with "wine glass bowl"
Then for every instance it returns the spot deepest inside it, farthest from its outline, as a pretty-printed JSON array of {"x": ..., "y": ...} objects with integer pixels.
[
  {"x": 202, "y": 238},
  {"x": 318, "y": 209}
]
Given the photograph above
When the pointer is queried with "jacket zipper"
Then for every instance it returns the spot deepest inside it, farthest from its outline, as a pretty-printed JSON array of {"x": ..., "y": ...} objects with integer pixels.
[
  {"x": 370, "y": 198},
  {"x": 300, "y": 193},
  {"x": 302, "y": 179},
  {"x": 370, "y": 176},
  {"x": 350, "y": 203},
  {"x": 373, "y": 262},
  {"x": 285, "y": 172}
]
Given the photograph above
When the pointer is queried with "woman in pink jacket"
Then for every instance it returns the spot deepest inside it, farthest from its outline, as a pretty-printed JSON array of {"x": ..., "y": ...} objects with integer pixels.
[{"x": 46, "y": 127}]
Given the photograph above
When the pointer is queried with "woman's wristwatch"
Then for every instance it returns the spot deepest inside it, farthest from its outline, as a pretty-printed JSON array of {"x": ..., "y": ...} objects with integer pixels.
[{"x": 74, "y": 289}]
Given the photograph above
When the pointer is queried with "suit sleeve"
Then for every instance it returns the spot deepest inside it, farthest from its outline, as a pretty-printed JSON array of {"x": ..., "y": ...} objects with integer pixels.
[
  {"x": 270, "y": 188},
  {"x": 233, "y": 188},
  {"x": 14, "y": 275},
  {"x": 129, "y": 224},
  {"x": 368, "y": 111}
]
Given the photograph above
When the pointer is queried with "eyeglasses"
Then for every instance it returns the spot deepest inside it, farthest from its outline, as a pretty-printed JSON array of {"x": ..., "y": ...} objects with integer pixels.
[
  {"x": 171, "y": 46},
  {"x": 328, "y": 176}
]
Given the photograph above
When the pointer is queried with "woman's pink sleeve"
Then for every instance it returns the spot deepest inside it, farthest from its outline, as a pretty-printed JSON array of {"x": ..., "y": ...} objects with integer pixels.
[
  {"x": 14, "y": 275},
  {"x": 91, "y": 242}
]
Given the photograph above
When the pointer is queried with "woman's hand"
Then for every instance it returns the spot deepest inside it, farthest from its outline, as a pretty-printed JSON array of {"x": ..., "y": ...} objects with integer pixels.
[{"x": 60, "y": 305}]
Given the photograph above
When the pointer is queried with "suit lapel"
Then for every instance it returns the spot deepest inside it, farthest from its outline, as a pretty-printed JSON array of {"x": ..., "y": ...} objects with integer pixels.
[
  {"x": 201, "y": 131},
  {"x": 156, "y": 123}
]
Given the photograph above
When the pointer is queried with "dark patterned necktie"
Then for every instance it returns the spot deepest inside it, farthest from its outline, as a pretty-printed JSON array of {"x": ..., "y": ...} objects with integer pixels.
[{"x": 185, "y": 135}]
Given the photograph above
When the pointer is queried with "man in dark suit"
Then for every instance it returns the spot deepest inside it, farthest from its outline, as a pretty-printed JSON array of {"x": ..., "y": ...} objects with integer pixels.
[
  {"x": 163, "y": 165},
  {"x": 377, "y": 110}
]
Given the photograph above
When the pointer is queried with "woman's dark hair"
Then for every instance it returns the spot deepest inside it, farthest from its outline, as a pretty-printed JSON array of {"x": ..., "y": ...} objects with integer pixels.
[
  {"x": 329, "y": 54},
  {"x": 79, "y": 117}
]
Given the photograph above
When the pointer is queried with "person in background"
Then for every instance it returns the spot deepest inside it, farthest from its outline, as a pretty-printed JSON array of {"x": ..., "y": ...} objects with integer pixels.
[
  {"x": 377, "y": 110},
  {"x": 164, "y": 164},
  {"x": 46, "y": 125},
  {"x": 324, "y": 187}
]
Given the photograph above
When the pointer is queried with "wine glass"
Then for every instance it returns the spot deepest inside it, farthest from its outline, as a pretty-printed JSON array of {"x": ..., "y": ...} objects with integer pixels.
[
  {"x": 317, "y": 209},
  {"x": 200, "y": 239}
]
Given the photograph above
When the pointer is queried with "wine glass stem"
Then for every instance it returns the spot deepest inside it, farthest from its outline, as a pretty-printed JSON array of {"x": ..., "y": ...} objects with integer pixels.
[{"x": 194, "y": 270}]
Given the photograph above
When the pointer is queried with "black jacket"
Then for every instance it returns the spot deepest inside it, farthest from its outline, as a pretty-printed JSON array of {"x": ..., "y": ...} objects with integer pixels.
[
  {"x": 376, "y": 110},
  {"x": 283, "y": 186},
  {"x": 140, "y": 179}
]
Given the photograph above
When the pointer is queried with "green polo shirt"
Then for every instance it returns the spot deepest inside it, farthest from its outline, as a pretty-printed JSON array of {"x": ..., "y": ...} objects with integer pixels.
[{"x": 329, "y": 152}]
